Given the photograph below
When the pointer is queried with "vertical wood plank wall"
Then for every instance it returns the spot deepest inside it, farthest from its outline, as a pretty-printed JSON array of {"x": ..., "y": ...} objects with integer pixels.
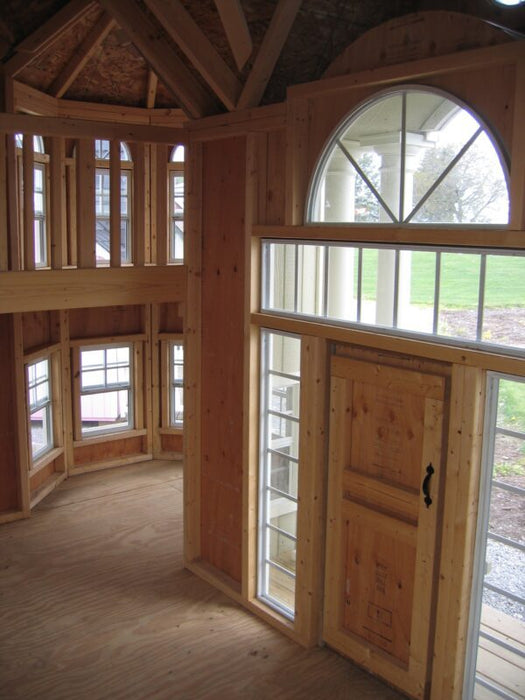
[
  {"x": 9, "y": 489},
  {"x": 223, "y": 276}
]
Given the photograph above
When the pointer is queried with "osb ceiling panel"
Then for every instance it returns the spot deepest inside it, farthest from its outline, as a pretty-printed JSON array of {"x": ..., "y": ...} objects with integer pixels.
[{"x": 116, "y": 72}]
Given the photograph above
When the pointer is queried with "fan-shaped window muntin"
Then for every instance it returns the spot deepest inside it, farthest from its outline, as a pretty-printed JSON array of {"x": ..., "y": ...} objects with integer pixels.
[{"x": 411, "y": 156}]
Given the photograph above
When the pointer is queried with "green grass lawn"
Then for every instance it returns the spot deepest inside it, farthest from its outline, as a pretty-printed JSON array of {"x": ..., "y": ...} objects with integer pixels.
[{"x": 505, "y": 279}]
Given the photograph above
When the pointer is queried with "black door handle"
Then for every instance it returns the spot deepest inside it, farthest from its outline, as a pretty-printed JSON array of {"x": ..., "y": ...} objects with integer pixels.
[{"x": 426, "y": 485}]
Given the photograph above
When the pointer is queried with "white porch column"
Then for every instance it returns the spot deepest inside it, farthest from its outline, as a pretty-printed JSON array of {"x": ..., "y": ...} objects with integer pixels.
[
  {"x": 340, "y": 184},
  {"x": 390, "y": 191}
]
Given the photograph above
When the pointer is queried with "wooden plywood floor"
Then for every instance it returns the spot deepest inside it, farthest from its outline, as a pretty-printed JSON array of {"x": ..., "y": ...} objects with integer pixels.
[{"x": 95, "y": 603}]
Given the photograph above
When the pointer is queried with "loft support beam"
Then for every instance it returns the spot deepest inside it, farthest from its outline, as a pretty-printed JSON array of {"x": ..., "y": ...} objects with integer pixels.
[
  {"x": 179, "y": 24},
  {"x": 273, "y": 42},
  {"x": 236, "y": 28},
  {"x": 159, "y": 53},
  {"x": 82, "y": 54}
]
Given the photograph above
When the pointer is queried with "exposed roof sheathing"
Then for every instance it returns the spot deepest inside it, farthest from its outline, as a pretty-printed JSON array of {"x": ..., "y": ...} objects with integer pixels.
[{"x": 325, "y": 37}]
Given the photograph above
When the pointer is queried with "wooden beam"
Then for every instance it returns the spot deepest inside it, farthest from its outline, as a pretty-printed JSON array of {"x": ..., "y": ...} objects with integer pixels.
[
  {"x": 138, "y": 232},
  {"x": 40, "y": 290},
  {"x": 271, "y": 47},
  {"x": 179, "y": 24},
  {"x": 82, "y": 54},
  {"x": 85, "y": 163},
  {"x": 28, "y": 180},
  {"x": 151, "y": 90},
  {"x": 158, "y": 52},
  {"x": 57, "y": 225},
  {"x": 83, "y": 128},
  {"x": 115, "y": 257},
  {"x": 4, "y": 248},
  {"x": 37, "y": 42},
  {"x": 236, "y": 28}
]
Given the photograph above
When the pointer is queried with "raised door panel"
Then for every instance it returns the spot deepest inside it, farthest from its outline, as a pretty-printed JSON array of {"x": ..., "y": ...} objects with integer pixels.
[{"x": 386, "y": 433}]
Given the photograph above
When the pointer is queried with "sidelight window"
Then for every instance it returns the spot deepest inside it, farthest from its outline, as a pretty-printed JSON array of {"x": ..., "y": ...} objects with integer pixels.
[{"x": 279, "y": 466}]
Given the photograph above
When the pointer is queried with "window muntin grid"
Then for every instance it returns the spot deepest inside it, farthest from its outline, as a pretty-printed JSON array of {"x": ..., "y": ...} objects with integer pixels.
[
  {"x": 103, "y": 199},
  {"x": 278, "y": 469},
  {"x": 176, "y": 398},
  {"x": 458, "y": 295},
  {"x": 411, "y": 156},
  {"x": 106, "y": 389},
  {"x": 40, "y": 407}
]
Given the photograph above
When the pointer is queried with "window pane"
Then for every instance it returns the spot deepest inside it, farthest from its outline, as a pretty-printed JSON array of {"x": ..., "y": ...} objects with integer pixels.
[
  {"x": 342, "y": 283},
  {"x": 282, "y": 550},
  {"x": 93, "y": 378},
  {"x": 105, "y": 411},
  {"x": 177, "y": 154},
  {"x": 459, "y": 295},
  {"x": 92, "y": 358},
  {"x": 41, "y": 431},
  {"x": 280, "y": 276},
  {"x": 417, "y": 280},
  {"x": 177, "y": 405},
  {"x": 177, "y": 240},
  {"x": 369, "y": 285},
  {"x": 283, "y": 473},
  {"x": 511, "y": 406},
  {"x": 504, "y": 312},
  {"x": 283, "y": 514},
  {"x": 310, "y": 286}
]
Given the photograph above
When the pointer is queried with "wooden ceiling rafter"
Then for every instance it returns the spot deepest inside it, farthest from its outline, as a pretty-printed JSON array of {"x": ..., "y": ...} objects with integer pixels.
[
  {"x": 236, "y": 28},
  {"x": 184, "y": 31},
  {"x": 102, "y": 27},
  {"x": 36, "y": 43},
  {"x": 269, "y": 51},
  {"x": 161, "y": 57}
]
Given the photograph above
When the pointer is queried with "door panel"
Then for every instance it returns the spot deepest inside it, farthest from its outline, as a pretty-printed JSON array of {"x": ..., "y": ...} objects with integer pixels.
[{"x": 386, "y": 428}]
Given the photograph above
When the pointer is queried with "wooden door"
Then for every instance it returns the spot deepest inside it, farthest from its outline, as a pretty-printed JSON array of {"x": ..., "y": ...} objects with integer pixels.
[{"x": 386, "y": 434}]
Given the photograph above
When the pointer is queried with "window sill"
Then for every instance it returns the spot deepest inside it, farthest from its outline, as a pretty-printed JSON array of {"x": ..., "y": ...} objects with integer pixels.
[
  {"x": 109, "y": 437},
  {"x": 45, "y": 459},
  {"x": 171, "y": 431}
]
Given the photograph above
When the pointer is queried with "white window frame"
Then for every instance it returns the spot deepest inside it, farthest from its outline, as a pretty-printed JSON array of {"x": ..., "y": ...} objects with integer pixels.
[
  {"x": 42, "y": 406},
  {"x": 319, "y": 282},
  {"x": 107, "y": 388},
  {"x": 406, "y": 218},
  {"x": 176, "y": 172},
  {"x": 175, "y": 384},
  {"x": 103, "y": 194},
  {"x": 272, "y": 502},
  {"x": 490, "y": 430}
]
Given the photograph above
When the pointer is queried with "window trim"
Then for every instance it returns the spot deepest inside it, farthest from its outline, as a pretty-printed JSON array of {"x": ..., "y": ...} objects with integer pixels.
[
  {"x": 53, "y": 356},
  {"x": 175, "y": 169},
  {"x": 126, "y": 167},
  {"x": 134, "y": 423},
  {"x": 442, "y": 340}
]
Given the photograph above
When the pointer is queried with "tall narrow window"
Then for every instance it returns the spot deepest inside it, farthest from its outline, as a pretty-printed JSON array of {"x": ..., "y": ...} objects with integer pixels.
[
  {"x": 495, "y": 666},
  {"x": 39, "y": 195},
  {"x": 103, "y": 198},
  {"x": 176, "y": 384},
  {"x": 176, "y": 175},
  {"x": 105, "y": 389},
  {"x": 279, "y": 464},
  {"x": 40, "y": 407},
  {"x": 39, "y": 198}
]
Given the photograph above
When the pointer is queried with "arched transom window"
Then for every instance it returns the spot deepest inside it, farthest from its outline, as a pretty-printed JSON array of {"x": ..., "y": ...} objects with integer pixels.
[{"x": 412, "y": 156}]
